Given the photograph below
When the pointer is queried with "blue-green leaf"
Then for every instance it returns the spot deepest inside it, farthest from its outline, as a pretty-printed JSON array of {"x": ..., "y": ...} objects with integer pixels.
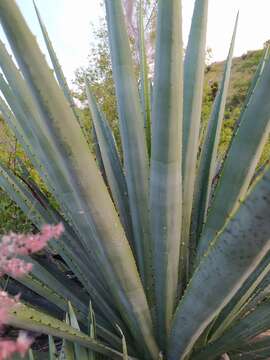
[
  {"x": 224, "y": 268},
  {"x": 194, "y": 64},
  {"x": 136, "y": 164},
  {"x": 112, "y": 163},
  {"x": 145, "y": 86},
  {"x": 30, "y": 319},
  {"x": 243, "y": 157},
  {"x": 165, "y": 179},
  {"x": 239, "y": 334},
  {"x": 208, "y": 156}
]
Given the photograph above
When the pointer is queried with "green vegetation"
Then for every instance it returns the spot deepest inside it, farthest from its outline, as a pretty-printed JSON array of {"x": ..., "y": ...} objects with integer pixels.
[
  {"x": 173, "y": 260},
  {"x": 11, "y": 216}
]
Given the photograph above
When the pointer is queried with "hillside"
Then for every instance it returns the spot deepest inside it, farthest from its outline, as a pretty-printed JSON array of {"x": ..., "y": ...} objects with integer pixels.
[{"x": 243, "y": 69}]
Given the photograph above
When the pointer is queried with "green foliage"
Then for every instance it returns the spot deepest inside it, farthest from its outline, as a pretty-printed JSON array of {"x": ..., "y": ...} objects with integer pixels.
[
  {"x": 11, "y": 216},
  {"x": 121, "y": 247}
]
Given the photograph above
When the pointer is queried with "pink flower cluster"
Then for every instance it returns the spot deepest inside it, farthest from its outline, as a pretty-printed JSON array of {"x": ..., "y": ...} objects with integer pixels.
[
  {"x": 10, "y": 347},
  {"x": 12, "y": 246}
]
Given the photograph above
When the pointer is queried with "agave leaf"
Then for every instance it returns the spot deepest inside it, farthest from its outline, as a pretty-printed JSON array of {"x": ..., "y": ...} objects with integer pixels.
[
  {"x": 24, "y": 109},
  {"x": 77, "y": 180},
  {"x": 98, "y": 155},
  {"x": 58, "y": 70},
  {"x": 56, "y": 65},
  {"x": 91, "y": 321},
  {"x": 30, "y": 355},
  {"x": 228, "y": 263},
  {"x": 239, "y": 334},
  {"x": 165, "y": 179},
  {"x": 255, "y": 80},
  {"x": 146, "y": 101},
  {"x": 39, "y": 216},
  {"x": 91, "y": 329},
  {"x": 124, "y": 344},
  {"x": 55, "y": 62},
  {"x": 52, "y": 349},
  {"x": 80, "y": 352},
  {"x": 112, "y": 164},
  {"x": 30, "y": 124},
  {"x": 194, "y": 64},
  {"x": 48, "y": 292},
  {"x": 44, "y": 284},
  {"x": 28, "y": 318},
  {"x": 33, "y": 209},
  {"x": 256, "y": 349},
  {"x": 262, "y": 293},
  {"x": 132, "y": 136},
  {"x": 56, "y": 298},
  {"x": 45, "y": 207},
  {"x": 242, "y": 298},
  {"x": 208, "y": 157},
  {"x": 242, "y": 160},
  {"x": 68, "y": 346}
]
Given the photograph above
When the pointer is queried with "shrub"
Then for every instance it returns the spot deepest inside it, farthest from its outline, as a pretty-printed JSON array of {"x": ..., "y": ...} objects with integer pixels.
[{"x": 174, "y": 261}]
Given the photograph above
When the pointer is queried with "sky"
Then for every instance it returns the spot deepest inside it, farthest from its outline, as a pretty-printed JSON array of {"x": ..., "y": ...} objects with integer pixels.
[{"x": 69, "y": 25}]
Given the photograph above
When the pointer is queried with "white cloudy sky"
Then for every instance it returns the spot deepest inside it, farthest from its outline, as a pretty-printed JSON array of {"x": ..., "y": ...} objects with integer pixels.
[{"x": 68, "y": 23}]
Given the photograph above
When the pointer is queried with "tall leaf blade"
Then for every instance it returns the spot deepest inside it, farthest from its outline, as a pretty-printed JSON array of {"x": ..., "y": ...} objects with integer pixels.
[
  {"x": 194, "y": 64},
  {"x": 112, "y": 164},
  {"x": 56, "y": 65},
  {"x": 255, "y": 80},
  {"x": 222, "y": 271},
  {"x": 165, "y": 179},
  {"x": 145, "y": 86},
  {"x": 30, "y": 355},
  {"x": 239, "y": 334},
  {"x": 237, "y": 306},
  {"x": 80, "y": 352},
  {"x": 30, "y": 319},
  {"x": 67, "y": 346},
  {"x": 91, "y": 329},
  {"x": 132, "y": 136},
  {"x": 241, "y": 162},
  {"x": 208, "y": 157},
  {"x": 58, "y": 71},
  {"x": 52, "y": 349},
  {"x": 68, "y": 248}
]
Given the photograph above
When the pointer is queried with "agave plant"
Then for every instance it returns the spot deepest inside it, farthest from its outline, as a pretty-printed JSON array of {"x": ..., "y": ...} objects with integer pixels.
[{"x": 173, "y": 267}]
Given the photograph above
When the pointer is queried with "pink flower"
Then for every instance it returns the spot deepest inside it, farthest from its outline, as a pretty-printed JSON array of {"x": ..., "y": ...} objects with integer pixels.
[
  {"x": 17, "y": 267},
  {"x": 10, "y": 347},
  {"x": 12, "y": 246},
  {"x": 23, "y": 343}
]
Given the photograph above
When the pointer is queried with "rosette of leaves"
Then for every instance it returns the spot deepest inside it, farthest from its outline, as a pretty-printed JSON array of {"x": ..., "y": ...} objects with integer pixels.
[{"x": 173, "y": 254}]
